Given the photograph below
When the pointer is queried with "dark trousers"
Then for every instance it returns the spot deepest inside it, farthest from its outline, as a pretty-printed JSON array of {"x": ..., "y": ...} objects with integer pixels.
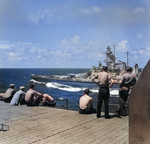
[
  {"x": 7, "y": 100},
  {"x": 51, "y": 103},
  {"x": 22, "y": 100},
  {"x": 87, "y": 111},
  {"x": 123, "y": 96},
  {"x": 103, "y": 96},
  {"x": 34, "y": 102}
]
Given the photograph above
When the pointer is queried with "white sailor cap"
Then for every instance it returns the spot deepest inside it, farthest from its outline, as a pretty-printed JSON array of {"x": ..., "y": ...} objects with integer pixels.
[
  {"x": 22, "y": 87},
  {"x": 12, "y": 85}
]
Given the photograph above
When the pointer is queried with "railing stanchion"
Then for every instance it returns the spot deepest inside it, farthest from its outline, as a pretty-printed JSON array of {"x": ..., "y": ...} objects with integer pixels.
[{"x": 67, "y": 103}]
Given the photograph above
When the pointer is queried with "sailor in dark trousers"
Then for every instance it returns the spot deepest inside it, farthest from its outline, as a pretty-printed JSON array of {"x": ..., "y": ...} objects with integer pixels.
[
  {"x": 103, "y": 83},
  {"x": 127, "y": 81}
]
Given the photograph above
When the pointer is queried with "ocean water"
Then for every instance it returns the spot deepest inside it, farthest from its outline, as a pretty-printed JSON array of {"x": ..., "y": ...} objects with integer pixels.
[{"x": 60, "y": 91}]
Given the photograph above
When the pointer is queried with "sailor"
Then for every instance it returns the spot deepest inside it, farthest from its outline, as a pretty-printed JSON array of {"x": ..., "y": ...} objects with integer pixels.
[
  {"x": 9, "y": 93},
  {"x": 135, "y": 70},
  {"x": 103, "y": 80},
  {"x": 86, "y": 103},
  {"x": 19, "y": 97},
  {"x": 33, "y": 98},
  {"x": 128, "y": 80}
]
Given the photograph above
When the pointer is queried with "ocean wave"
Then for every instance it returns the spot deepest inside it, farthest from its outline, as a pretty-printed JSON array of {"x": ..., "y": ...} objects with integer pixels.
[
  {"x": 112, "y": 92},
  {"x": 63, "y": 87},
  {"x": 76, "y": 89},
  {"x": 38, "y": 82}
]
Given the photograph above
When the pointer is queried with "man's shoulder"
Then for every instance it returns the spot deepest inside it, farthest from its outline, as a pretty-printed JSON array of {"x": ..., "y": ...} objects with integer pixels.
[
  {"x": 89, "y": 97},
  {"x": 20, "y": 92},
  {"x": 128, "y": 75},
  {"x": 31, "y": 90},
  {"x": 103, "y": 73},
  {"x": 86, "y": 96},
  {"x": 9, "y": 90}
]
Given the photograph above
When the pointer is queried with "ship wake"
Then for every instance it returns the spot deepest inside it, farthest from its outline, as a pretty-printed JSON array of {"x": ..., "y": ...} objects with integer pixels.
[{"x": 113, "y": 92}]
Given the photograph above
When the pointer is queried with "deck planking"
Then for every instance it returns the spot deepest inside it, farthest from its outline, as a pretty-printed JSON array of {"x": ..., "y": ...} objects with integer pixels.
[{"x": 47, "y": 125}]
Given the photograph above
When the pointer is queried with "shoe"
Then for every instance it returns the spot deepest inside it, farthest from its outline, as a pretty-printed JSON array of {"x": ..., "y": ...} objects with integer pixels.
[
  {"x": 107, "y": 117},
  {"x": 43, "y": 104},
  {"x": 98, "y": 116},
  {"x": 118, "y": 112},
  {"x": 124, "y": 114}
]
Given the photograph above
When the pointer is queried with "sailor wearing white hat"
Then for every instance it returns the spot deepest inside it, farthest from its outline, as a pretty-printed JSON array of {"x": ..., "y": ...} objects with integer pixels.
[{"x": 19, "y": 97}]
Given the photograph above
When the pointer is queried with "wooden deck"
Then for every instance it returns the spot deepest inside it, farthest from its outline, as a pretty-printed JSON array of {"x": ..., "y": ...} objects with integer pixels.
[{"x": 46, "y": 125}]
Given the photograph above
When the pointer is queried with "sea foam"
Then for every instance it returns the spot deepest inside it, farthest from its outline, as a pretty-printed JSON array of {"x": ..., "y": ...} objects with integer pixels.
[
  {"x": 38, "y": 82},
  {"x": 76, "y": 89}
]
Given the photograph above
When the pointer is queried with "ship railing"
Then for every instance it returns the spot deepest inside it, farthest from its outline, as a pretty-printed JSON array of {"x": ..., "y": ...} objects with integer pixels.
[
  {"x": 67, "y": 104},
  {"x": 4, "y": 127}
]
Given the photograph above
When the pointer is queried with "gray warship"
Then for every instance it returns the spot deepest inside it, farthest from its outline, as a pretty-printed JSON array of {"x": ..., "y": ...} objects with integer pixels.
[{"x": 116, "y": 69}]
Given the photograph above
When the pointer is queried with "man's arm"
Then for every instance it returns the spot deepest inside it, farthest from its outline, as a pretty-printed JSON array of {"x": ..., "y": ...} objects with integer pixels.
[
  {"x": 96, "y": 77},
  {"x": 13, "y": 92},
  {"x": 111, "y": 83},
  {"x": 38, "y": 93},
  {"x": 91, "y": 103},
  {"x": 94, "y": 80},
  {"x": 21, "y": 95},
  {"x": 122, "y": 82}
]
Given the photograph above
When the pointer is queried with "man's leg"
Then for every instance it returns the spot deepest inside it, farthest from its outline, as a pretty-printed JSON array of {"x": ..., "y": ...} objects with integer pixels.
[
  {"x": 48, "y": 100},
  {"x": 99, "y": 103},
  {"x": 51, "y": 103},
  {"x": 106, "y": 102},
  {"x": 7, "y": 100},
  {"x": 122, "y": 100},
  {"x": 85, "y": 111},
  {"x": 92, "y": 110},
  {"x": 36, "y": 101},
  {"x": 47, "y": 97},
  {"x": 22, "y": 100}
]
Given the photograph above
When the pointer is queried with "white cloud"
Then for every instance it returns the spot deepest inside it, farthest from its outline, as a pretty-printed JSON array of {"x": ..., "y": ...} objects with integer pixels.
[
  {"x": 65, "y": 5},
  {"x": 16, "y": 56},
  {"x": 92, "y": 9},
  {"x": 19, "y": 58},
  {"x": 100, "y": 55},
  {"x": 122, "y": 46},
  {"x": 138, "y": 10},
  {"x": 4, "y": 42},
  {"x": 48, "y": 16},
  {"x": 63, "y": 42},
  {"x": 36, "y": 16},
  {"x": 95, "y": 55},
  {"x": 139, "y": 36},
  {"x": 89, "y": 45},
  {"x": 145, "y": 52},
  {"x": 142, "y": 52},
  {"x": 95, "y": 9},
  {"x": 5, "y": 45},
  {"x": 89, "y": 56},
  {"x": 76, "y": 40},
  {"x": 60, "y": 55},
  {"x": 136, "y": 56}
]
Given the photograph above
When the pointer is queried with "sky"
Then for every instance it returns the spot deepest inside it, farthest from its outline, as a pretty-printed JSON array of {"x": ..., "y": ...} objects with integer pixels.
[{"x": 73, "y": 33}]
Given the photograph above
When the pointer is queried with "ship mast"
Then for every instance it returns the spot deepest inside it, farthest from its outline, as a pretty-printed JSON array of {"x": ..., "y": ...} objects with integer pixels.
[
  {"x": 110, "y": 58},
  {"x": 114, "y": 52},
  {"x": 127, "y": 57},
  {"x": 114, "y": 58}
]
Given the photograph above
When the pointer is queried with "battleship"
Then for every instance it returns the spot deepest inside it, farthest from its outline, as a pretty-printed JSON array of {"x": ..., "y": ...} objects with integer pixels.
[
  {"x": 80, "y": 78},
  {"x": 116, "y": 69}
]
